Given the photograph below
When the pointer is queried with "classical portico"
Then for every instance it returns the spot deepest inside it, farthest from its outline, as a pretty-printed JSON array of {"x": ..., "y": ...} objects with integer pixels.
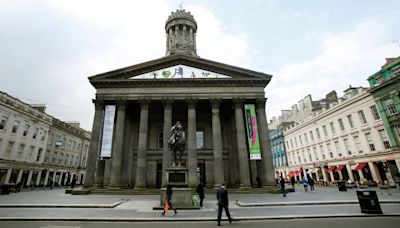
[{"x": 207, "y": 97}]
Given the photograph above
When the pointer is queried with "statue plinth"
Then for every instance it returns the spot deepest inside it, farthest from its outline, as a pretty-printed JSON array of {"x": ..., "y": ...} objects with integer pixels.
[{"x": 177, "y": 176}]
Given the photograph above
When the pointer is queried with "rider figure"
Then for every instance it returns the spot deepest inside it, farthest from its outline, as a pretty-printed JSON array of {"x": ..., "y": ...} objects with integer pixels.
[{"x": 176, "y": 130}]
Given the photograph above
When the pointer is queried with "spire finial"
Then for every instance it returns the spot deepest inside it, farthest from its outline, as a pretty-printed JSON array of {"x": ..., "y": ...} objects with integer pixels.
[{"x": 181, "y": 5}]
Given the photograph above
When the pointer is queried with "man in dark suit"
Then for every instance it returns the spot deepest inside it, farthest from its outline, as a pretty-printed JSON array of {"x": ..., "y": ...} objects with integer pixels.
[{"x": 222, "y": 197}]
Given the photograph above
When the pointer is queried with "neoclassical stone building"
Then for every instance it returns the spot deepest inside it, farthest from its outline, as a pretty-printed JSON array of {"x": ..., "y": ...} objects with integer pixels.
[{"x": 136, "y": 106}]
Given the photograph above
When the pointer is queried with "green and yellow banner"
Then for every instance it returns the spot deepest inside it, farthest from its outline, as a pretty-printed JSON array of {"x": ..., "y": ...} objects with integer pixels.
[{"x": 252, "y": 132}]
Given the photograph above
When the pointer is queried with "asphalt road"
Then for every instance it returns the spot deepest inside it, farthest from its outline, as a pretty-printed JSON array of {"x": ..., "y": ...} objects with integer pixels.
[{"x": 361, "y": 222}]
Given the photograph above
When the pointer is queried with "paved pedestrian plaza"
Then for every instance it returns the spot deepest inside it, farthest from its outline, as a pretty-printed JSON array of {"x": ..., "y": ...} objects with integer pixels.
[{"x": 46, "y": 204}]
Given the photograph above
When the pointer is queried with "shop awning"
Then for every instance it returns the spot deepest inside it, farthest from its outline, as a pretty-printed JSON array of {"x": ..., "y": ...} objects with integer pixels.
[
  {"x": 330, "y": 169},
  {"x": 339, "y": 168},
  {"x": 360, "y": 166}
]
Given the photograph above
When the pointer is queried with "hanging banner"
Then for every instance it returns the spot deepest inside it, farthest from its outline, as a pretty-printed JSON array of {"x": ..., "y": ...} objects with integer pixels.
[
  {"x": 252, "y": 132},
  {"x": 108, "y": 126}
]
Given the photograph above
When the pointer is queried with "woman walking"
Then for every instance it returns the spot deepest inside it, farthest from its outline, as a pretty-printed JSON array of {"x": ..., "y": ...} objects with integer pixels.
[{"x": 168, "y": 200}]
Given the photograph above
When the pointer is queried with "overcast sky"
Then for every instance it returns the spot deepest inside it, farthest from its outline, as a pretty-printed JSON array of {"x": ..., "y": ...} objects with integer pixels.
[{"x": 49, "y": 48}]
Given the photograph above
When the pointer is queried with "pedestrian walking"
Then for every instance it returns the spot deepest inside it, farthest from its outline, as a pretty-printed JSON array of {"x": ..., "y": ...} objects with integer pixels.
[
  {"x": 292, "y": 181},
  {"x": 223, "y": 202},
  {"x": 282, "y": 183},
  {"x": 311, "y": 182},
  {"x": 73, "y": 183},
  {"x": 305, "y": 183},
  {"x": 258, "y": 179},
  {"x": 168, "y": 201},
  {"x": 200, "y": 191}
]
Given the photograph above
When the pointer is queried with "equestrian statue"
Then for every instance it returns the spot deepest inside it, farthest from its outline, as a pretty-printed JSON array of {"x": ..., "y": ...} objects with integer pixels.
[{"x": 176, "y": 142}]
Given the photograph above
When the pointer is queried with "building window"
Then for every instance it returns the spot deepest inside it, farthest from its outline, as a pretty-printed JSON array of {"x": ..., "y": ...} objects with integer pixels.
[
  {"x": 397, "y": 131},
  {"x": 30, "y": 154},
  {"x": 325, "y": 131},
  {"x": 309, "y": 155},
  {"x": 15, "y": 126},
  {"x": 20, "y": 151},
  {"x": 291, "y": 143},
  {"x": 39, "y": 154},
  {"x": 385, "y": 139},
  {"x": 391, "y": 109},
  {"x": 35, "y": 132},
  {"x": 332, "y": 127},
  {"x": 329, "y": 150},
  {"x": 341, "y": 124},
  {"x": 337, "y": 148},
  {"x": 350, "y": 119},
  {"x": 9, "y": 148},
  {"x": 315, "y": 153},
  {"x": 306, "y": 138},
  {"x": 362, "y": 117},
  {"x": 370, "y": 142},
  {"x": 160, "y": 140},
  {"x": 358, "y": 144},
  {"x": 301, "y": 141},
  {"x": 312, "y": 136},
  {"x": 26, "y": 129},
  {"x": 199, "y": 140},
  {"x": 346, "y": 144},
  {"x": 321, "y": 149},
  {"x": 3, "y": 123},
  {"x": 374, "y": 112},
  {"x": 318, "y": 135}
]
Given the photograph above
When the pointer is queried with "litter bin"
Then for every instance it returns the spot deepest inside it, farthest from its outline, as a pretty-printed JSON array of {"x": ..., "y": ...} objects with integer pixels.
[
  {"x": 369, "y": 202},
  {"x": 342, "y": 186}
]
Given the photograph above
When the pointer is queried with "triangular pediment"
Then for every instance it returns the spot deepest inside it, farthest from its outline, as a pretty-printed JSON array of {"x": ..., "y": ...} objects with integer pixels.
[
  {"x": 179, "y": 72},
  {"x": 179, "y": 68}
]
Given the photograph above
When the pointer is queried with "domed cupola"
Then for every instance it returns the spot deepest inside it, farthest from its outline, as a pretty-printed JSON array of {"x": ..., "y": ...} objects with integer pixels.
[{"x": 181, "y": 33}]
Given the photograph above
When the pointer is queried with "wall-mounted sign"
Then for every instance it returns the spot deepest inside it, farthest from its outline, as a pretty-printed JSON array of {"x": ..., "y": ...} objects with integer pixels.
[
  {"x": 252, "y": 132},
  {"x": 179, "y": 71},
  {"x": 108, "y": 126}
]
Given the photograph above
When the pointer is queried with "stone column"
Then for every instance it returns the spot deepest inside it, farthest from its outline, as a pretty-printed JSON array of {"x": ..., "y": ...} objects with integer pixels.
[
  {"x": 28, "y": 182},
  {"x": 217, "y": 144},
  {"x": 351, "y": 176},
  {"x": 100, "y": 173},
  {"x": 324, "y": 174},
  {"x": 46, "y": 178},
  {"x": 166, "y": 131},
  {"x": 8, "y": 176},
  {"x": 360, "y": 173},
  {"x": 192, "y": 152},
  {"x": 332, "y": 176},
  {"x": 141, "y": 164},
  {"x": 267, "y": 176},
  {"x": 340, "y": 175},
  {"x": 60, "y": 178},
  {"x": 39, "y": 176},
  {"x": 94, "y": 143},
  {"x": 241, "y": 145},
  {"x": 116, "y": 155},
  {"x": 374, "y": 173},
  {"x": 20, "y": 172}
]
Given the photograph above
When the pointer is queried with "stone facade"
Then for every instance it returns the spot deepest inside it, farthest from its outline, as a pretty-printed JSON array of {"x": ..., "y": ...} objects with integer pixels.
[
  {"x": 347, "y": 141},
  {"x": 27, "y": 140},
  {"x": 207, "y": 97}
]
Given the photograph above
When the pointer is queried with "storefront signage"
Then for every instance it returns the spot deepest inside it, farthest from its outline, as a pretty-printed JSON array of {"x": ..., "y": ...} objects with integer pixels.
[
  {"x": 108, "y": 127},
  {"x": 178, "y": 72},
  {"x": 252, "y": 132}
]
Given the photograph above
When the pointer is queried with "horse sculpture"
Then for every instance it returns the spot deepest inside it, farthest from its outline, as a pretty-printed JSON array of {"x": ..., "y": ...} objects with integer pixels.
[{"x": 176, "y": 142}]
